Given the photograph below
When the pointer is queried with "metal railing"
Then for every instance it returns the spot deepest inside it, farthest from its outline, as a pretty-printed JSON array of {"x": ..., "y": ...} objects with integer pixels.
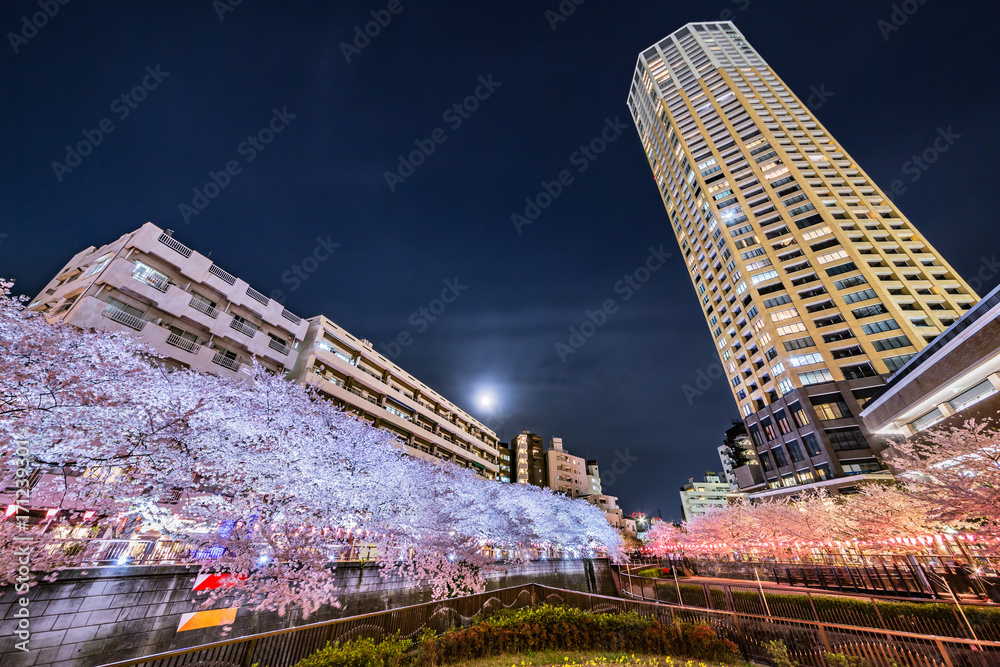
[
  {"x": 243, "y": 327},
  {"x": 807, "y": 641},
  {"x": 203, "y": 306},
  {"x": 773, "y": 601},
  {"x": 226, "y": 362},
  {"x": 158, "y": 282},
  {"x": 278, "y": 347},
  {"x": 183, "y": 343},
  {"x": 174, "y": 245},
  {"x": 282, "y": 648},
  {"x": 224, "y": 275},
  {"x": 257, "y": 296},
  {"x": 288, "y": 315},
  {"x": 120, "y": 316}
]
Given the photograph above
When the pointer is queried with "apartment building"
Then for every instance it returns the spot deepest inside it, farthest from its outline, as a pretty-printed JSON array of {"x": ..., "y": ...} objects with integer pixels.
[
  {"x": 202, "y": 317},
  {"x": 813, "y": 284},
  {"x": 348, "y": 371},
  {"x": 528, "y": 464},
  {"x": 700, "y": 498},
  {"x": 176, "y": 300},
  {"x": 566, "y": 473}
]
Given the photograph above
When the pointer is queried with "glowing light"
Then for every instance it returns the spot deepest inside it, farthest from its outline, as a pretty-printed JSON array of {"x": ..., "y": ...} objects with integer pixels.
[
  {"x": 51, "y": 513},
  {"x": 11, "y": 511},
  {"x": 485, "y": 400},
  {"x": 88, "y": 515}
]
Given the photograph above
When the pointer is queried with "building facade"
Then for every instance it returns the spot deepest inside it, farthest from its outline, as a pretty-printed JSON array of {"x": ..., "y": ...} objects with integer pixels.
[
  {"x": 814, "y": 286},
  {"x": 954, "y": 379},
  {"x": 528, "y": 459},
  {"x": 176, "y": 300},
  {"x": 700, "y": 498},
  {"x": 736, "y": 451},
  {"x": 566, "y": 473},
  {"x": 348, "y": 371},
  {"x": 203, "y": 318}
]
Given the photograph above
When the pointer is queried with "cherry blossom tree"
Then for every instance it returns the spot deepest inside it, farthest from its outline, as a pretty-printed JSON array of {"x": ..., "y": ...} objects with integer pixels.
[
  {"x": 955, "y": 472},
  {"x": 268, "y": 483}
]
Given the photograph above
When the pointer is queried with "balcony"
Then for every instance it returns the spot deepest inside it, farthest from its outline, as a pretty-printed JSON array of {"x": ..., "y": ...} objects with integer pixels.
[
  {"x": 257, "y": 296},
  {"x": 226, "y": 362},
  {"x": 157, "y": 281},
  {"x": 244, "y": 328},
  {"x": 219, "y": 273},
  {"x": 122, "y": 317},
  {"x": 278, "y": 347},
  {"x": 372, "y": 373},
  {"x": 204, "y": 307},
  {"x": 174, "y": 245},
  {"x": 183, "y": 343}
]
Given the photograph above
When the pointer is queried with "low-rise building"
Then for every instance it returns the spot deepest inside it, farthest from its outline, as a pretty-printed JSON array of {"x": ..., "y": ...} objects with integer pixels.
[
  {"x": 347, "y": 370},
  {"x": 175, "y": 299},
  {"x": 566, "y": 473},
  {"x": 699, "y": 498},
  {"x": 955, "y": 378},
  {"x": 201, "y": 317}
]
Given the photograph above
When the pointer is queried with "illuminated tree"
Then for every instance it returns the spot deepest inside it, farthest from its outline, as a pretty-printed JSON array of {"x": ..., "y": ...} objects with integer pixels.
[{"x": 266, "y": 482}]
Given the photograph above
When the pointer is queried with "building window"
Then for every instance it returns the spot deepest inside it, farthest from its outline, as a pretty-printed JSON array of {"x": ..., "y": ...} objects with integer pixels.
[
  {"x": 812, "y": 444},
  {"x": 981, "y": 391},
  {"x": 794, "y": 451},
  {"x": 928, "y": 420},
  {"x": 779, "y": 457},
  {"x": 895, "y": 363},
  {"x": 860, "y": 466},
  {"x": 830, "y": 407},
  {"x": 815, "y": 377},
  {"x": 847, "y": 439},
  {"x": 782, "y": 419},
  {"x": 858, "y": 372},
  {"x": 765, "y": 461},
  {"x": 768, "y": 428},
  {"x": 785, "y": 386}
]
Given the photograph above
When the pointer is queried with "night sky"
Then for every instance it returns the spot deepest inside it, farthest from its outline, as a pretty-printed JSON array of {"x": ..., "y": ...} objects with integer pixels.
[{"x": 211, "y": 83}]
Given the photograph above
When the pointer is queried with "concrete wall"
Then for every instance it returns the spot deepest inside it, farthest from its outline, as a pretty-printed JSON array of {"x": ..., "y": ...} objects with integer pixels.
[{"x": 102, "y": 615}]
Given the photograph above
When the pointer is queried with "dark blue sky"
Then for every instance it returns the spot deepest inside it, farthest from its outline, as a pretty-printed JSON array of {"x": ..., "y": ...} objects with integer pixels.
[{"x": 323, "y": 176}]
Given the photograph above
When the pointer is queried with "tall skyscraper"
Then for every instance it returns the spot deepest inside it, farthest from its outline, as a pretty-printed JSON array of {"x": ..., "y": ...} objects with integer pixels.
[{"x": 814, "y": 285}]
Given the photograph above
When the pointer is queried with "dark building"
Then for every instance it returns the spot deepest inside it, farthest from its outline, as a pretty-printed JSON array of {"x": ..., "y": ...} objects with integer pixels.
[{"x": 528, "y": 459}]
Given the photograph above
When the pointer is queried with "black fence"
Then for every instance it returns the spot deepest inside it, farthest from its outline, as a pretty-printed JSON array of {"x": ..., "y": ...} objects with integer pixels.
[{"x": 807, "y": 640}]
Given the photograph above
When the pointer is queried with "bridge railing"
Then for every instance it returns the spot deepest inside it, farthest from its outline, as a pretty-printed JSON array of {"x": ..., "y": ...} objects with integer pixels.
[{"x": 807, "y": 641}]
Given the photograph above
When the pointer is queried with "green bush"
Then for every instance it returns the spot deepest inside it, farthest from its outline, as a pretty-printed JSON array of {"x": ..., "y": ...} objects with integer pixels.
[
  {"x": 391, "y": 652},
  {"x": 654, "y": 572},
  {"x": 565, "y": 628}
]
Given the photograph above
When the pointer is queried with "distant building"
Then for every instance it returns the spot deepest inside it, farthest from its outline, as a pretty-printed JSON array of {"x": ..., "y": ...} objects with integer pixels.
[
  {"x": 528, "y": 459},
  {"x": 593, "y": 478},
  {"x": 505, "y": 458},
  {"x": 698, "y": 498},
  {"x": 955, "y": 378},
  {"x": 735, "y": 452},
  {"x": 566, "y": 473}
]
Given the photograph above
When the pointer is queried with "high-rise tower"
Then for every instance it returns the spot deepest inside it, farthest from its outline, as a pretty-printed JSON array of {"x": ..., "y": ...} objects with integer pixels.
[{"x": 814, "y": 285}]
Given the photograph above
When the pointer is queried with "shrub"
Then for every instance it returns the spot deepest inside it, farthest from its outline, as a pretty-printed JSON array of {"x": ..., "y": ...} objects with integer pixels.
[
  {"x": 568, "y": 629},
  {"x": 778, "y": 653},
  {"x": 391, "y": 652},
  {"x": 841, "y": 660},
  {"x": 654, "y": 572}
]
